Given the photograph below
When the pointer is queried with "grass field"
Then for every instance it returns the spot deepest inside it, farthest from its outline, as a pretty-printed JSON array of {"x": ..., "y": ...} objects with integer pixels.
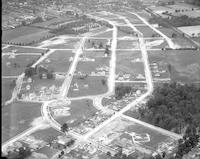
[
  {"x": 20, "y": 61},
  {"x": 6, "y": 89},
  {"x": 88, "y": 86},
  {"x": 118, "y": 21},
  {"x": 23, "y": 50},
  {"x": 58, "y": 61},
  {"x": 185, "y": 66},
  {"x": 129, "y": 62},
  {"x": 17, "y": 117},
  {"x": 80, "y": 111},
  {"x": 127, "y": 44},
  {"x": 24, "y": 35}
]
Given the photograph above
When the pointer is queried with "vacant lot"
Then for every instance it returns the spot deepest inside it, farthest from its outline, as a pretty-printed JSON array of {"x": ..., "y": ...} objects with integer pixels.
[
  {"x": 87, "y": 86},
  {"x": 19, "y": 49},
  {"x": 107, "y": 34},
  {"x": 156, "y": 43},
  {"x": 184, "y": 64},
  {"x": 61, "y": 42},
  {"x": 127, "y": 44},
  {"x": 24, "y": 35},
  {"x": 7, "y": 88},
  {"x": 13, "y": 66},
  {"x": 17, "y": 117},
  {"x": 119, "y": 21},
  {"x": 59, "y": 61},
  {"x": 147, "y": 31},
  {"x": 79, "y": 111},
  {"x": 191, "y": 30},
  {"x": 129, "y": 62}
]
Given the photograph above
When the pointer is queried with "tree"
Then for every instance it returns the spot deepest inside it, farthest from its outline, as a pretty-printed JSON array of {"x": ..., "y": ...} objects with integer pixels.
[
  {"x": 64, "y": 128},
  {"x": 100, "y": 45},
  {"x": 23, "y": 153},
  {"x": 103, "y": 81}
]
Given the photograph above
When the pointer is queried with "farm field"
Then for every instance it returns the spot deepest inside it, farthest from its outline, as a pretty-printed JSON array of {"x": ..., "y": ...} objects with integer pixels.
[
  {"x": 19, "y": 49},
  {"x": 15, "y": 65},
  {"x": 147, "y": 31},
  {"x": 130, "y": 62},
  {"x": 87, "y": 86},
  {"x": 24, "y": 35},
  {"x": 128, "y": 133},
  {"x": 184, "y": 64},
  {"x": 60, "y": 42},
  {"x": 75, "y": 113},
  {"x": 17, "y": 117},
  {"x": 127, "y": 44},
  {"x": 59, "y": 60},
  {"x": 7, "y": 89}
]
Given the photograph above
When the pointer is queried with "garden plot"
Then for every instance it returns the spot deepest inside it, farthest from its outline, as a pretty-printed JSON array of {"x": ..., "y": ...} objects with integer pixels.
[
  {"x": 93, "y": 65},
  {"x": 128, "y": 44},
  {"x": 147, "y": 31},
  {"x": 156, "y": 43},
  {"x": 18, "y": 50},
  {"x": 129, "y": 66},
  {"x": 96, "y": 43},
  {"x": 17, "y": 117},
  {"x": 73, "y": 113},
  {"x": 59, "y": 61},
  {"x": 131, "y": 135},
  {"x": 87, "y": 86},
  {"x": 14, "y": 65},
  {"x": 7, "y": 88},
  {"x": 61, "y": 42},
  {"x": 38, "y": 89},
  {"x": 158, "y": 65},
  {"x": 24, "y": 35}
]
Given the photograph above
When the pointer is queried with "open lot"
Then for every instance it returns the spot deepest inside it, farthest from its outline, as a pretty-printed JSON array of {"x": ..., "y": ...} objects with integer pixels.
[
  {"x": 18, "y": 49},
  {"x": 87, "y": 86},
  {"x": 147, "y": 31},
  {"x": 24, "y": 35},
  {"x": 128, "y": 44},
  {"x": 130, "y": 135},
  {"x": 61, "y": 42},
  {"x": 184, "y": 64},
  {"x": 59, "y": 61},
  {"x": 107, "y": 34},
  {"x": 17, "y": 117},
  {"x": 7, "y": 87},
  {"x": 130, "y": 63},
  {"x": 156, "y": 43},
  {"x": 118, "y": 21},
  {"x": 75, "y": 113},
  {"x": 15, "y": 65},
  {"x": 125, "y": 31},
  {"x": 191, "y": 30}
]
